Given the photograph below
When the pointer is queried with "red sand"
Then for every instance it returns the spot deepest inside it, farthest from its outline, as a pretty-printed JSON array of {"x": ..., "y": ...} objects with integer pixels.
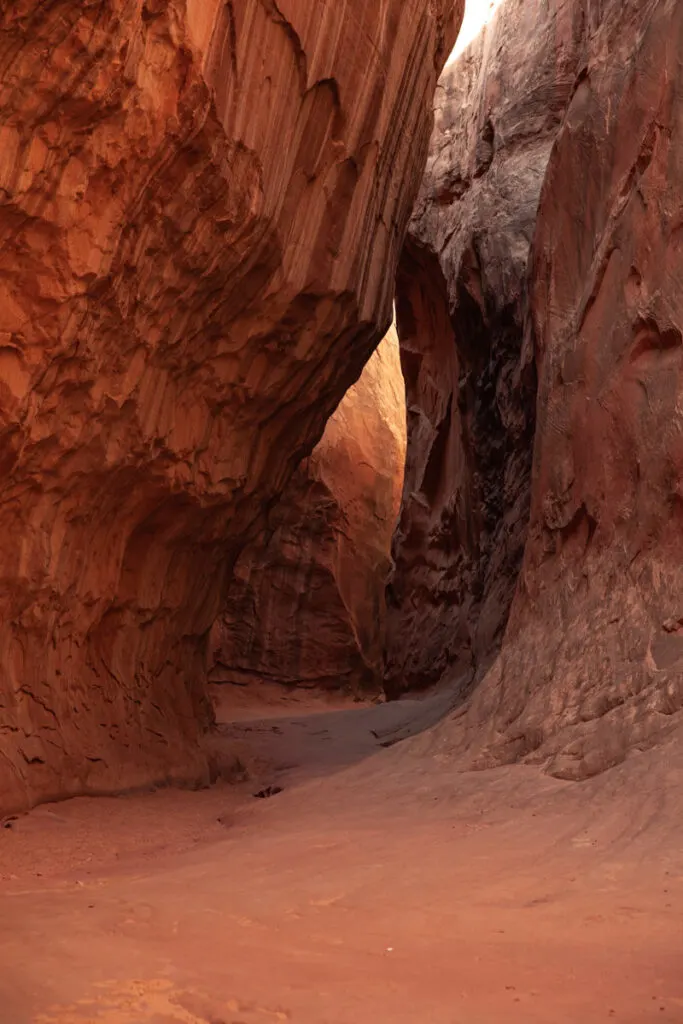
[{"x": 389, "y": 891}]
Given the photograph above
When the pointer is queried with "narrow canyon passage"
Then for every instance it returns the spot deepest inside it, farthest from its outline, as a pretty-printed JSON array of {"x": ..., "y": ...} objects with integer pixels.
[
  {"x": 326, "y": 904},
  {"x": 341, "y": 491}
]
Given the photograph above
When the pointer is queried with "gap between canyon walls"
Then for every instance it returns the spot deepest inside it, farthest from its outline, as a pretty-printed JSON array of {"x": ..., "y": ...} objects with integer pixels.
[
  {"x": 198, "y": 254},
  {"x": 305, "y": 604}
]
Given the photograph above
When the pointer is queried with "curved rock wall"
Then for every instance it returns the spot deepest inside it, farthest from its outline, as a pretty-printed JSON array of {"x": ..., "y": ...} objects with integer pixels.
[
  {"x": 592, "y": 663},
  {"x": 306, "y": 605},
  {"x": 201, "y": 210},
  {"x": 461, "y": 304}
]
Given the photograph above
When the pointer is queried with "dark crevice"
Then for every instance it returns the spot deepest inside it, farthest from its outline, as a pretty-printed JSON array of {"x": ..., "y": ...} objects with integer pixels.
[{"x": 460, "y": 540}]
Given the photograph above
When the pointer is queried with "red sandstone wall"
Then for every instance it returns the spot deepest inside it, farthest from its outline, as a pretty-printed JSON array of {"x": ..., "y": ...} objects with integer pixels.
[{"x": 201, "y": 211}]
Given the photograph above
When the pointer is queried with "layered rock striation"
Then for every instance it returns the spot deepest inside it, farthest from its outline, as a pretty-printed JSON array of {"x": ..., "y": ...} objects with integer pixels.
[
  {"x": 202, "y": 206},
  {"x": 305, "y": 605}
]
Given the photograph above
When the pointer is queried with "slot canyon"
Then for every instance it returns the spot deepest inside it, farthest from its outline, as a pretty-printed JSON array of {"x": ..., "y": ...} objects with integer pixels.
[{"x": 341, "y": 491}]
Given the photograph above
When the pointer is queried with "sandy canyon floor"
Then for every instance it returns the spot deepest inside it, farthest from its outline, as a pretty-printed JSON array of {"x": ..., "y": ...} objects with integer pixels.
[{"x": 378, "y": 887}]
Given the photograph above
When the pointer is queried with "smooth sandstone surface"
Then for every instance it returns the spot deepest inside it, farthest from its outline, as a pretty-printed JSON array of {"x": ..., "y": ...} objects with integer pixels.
[
  {"x": 468, "y": 361},
  {"x": 201, "y": 211},
  {"x": 306, "y": 604}
]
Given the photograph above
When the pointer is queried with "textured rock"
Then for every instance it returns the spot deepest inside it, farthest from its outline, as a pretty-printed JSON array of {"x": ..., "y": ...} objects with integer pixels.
[
  {"x": 461, "y": 304},
  {"x": 592, "y": 662},
  {"x": 201, "y": 210},
  {"x": 306, "y": 605}
]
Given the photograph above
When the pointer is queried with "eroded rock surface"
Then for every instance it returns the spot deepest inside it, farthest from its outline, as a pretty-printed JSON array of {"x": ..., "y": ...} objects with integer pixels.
[
  {"x": 306, "y": 605},
  {"x": 201, "y": 210},
  {"x": 470, "y": 379},
  {"x": 592, "y": 665}
]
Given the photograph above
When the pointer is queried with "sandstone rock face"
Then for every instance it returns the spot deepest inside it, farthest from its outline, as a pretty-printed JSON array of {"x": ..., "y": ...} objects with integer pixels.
[
  {"x": 306, "y": 605},
  {"x": 592, "y": 665},
  {"x": 461, "y": 305},
  {"x": 201, "y": 210}
]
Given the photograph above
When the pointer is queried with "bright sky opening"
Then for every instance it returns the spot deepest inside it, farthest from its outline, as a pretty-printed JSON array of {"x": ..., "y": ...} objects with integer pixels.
[{"x": 477, "y": 13}]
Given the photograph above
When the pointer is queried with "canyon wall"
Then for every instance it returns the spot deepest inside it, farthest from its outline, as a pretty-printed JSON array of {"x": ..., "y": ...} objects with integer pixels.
[
  {"x": 202, "y": 206},
  {"x": 592, "y": 664},
  {"x": 467, "y": 358},
  {"x": 305, "y": 605}
]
